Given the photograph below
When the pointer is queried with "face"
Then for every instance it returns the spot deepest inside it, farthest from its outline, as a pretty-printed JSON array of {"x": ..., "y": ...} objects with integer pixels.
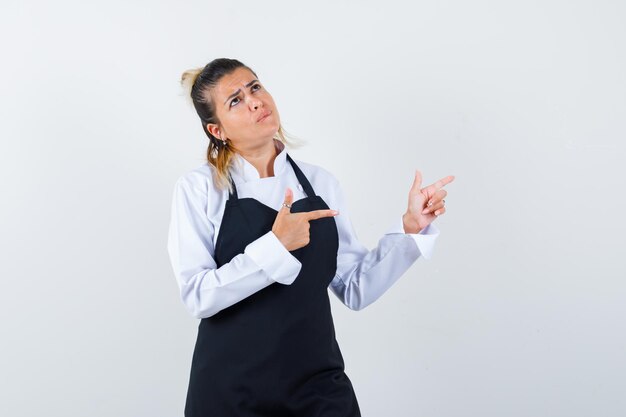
[{"x": 240, "y": 100}]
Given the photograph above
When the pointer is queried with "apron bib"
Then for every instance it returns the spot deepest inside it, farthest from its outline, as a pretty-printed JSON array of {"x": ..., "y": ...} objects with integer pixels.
[{"x": 274, "y": 353}]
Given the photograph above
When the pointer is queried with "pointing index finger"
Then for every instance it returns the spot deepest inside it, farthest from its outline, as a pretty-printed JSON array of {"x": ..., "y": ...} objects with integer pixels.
[
  {"x": 444, "y": 181},
  {"x": 439, "y": 184},
  {"x": 316, "y": 214}
]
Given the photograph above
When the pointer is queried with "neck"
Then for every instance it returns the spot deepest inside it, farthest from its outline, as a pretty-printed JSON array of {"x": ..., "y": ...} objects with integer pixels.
[{"x": 262, "y": 158}]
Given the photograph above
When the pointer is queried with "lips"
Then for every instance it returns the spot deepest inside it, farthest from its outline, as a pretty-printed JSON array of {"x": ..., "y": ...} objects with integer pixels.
[{"x": 263, "y": 116}]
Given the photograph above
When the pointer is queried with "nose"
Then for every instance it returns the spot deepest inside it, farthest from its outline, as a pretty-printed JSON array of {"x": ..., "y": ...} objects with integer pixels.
[{"x": 255, "y": 103}]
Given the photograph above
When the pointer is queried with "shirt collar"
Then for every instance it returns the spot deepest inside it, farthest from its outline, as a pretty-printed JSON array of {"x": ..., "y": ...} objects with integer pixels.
[{"x": 244, "y": 171}]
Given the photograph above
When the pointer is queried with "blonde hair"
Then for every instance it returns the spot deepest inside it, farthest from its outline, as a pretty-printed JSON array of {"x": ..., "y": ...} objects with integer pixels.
[{"x": 198, "y": 84}]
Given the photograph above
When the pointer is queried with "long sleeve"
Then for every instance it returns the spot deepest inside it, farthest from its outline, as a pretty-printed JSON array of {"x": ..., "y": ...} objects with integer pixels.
[
  {"x": 364, "y": 275},
  {"x": 204, "y": 288}
]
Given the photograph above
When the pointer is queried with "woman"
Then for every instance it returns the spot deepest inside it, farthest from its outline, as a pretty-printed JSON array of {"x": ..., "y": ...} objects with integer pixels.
[{"x": 255, "y": 245}]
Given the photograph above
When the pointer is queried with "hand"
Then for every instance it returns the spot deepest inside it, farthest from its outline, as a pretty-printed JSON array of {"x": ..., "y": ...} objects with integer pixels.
[
  {"x": 292, "y": 229},
  {"x": 425, "y": 204}
]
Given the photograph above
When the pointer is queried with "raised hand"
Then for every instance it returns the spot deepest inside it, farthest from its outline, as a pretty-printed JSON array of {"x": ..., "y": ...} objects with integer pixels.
[
  {"x": 292, "y": 229},
  {"x": 425, "y": 204}
]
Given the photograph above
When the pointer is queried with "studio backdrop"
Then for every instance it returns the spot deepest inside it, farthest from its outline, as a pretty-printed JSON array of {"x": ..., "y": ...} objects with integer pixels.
[{"x": 520, "y": 310}]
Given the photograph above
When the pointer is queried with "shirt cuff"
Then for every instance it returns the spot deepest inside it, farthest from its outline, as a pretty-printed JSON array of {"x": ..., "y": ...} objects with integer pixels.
[
  {"x": 273, "y": 257},
  {"x": 425, "y": 239}
]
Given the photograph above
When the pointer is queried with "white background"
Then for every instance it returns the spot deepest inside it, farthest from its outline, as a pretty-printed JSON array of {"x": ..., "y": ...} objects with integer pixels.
[{"x": 519, "y": 313}]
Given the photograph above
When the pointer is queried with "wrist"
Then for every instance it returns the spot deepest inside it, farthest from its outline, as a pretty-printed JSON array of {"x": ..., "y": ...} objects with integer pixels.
[{"x": 410, "y": 226}]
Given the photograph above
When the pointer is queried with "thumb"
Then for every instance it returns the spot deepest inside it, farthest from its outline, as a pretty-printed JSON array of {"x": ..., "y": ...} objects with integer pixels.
[
  {"x": 417, "y": 182},
  {"x": 288, "y": 200}
]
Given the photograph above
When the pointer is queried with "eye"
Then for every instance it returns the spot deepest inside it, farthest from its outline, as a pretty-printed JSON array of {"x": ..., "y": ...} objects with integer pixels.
[{"x": 237, "y": 98}]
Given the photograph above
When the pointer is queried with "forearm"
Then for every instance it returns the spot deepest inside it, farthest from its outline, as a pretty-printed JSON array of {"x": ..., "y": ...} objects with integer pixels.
[
  {"x": 367, "y": 279},
  {"x": 364, "y": 276},
  {"x": 263, "y": 262}
]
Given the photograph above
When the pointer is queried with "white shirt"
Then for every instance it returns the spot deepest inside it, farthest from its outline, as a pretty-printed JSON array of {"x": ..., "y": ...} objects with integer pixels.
[{"x": 362, "y": 275}]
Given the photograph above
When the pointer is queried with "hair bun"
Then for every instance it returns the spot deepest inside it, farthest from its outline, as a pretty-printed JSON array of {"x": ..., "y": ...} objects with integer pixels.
[{"x": 188, "y": 79}]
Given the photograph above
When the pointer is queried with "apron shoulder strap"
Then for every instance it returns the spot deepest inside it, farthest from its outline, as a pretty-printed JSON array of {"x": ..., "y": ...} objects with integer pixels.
[
  {"x": 232, "y": 195},
  {"x": 302, "y": 178}
]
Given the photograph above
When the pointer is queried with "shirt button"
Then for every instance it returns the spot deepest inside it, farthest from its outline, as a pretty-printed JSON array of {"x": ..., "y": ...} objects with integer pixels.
[{"x": 300, "y": 187}]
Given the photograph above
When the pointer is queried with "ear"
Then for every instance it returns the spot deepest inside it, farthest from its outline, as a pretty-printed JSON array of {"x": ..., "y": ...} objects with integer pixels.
[{"x": 213, "y": 129}]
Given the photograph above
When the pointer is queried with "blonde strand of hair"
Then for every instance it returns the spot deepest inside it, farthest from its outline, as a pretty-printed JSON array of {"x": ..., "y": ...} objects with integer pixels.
[{"x": 188, "y": 79}]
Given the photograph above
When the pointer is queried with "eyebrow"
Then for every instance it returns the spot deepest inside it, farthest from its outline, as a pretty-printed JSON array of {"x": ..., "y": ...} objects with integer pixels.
[{"x": 239, "y": 90}]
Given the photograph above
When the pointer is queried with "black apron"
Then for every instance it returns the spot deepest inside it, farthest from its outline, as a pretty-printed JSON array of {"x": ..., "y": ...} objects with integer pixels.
[{"x": 274, "y": 353}]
